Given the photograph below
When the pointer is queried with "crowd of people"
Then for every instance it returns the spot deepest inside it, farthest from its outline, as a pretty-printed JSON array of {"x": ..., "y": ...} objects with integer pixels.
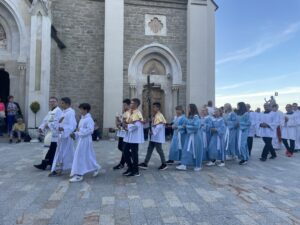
[{"x": 209, "y": 135}]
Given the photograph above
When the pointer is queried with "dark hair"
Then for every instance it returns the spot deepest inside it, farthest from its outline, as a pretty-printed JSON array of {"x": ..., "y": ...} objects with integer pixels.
[
  {"x": 179, "y": 107},
  {"x": 85, "y": 106},
  {"x": 136, "y": 101},
  {"x": 126, "y": 101},
  {"x": 52, "y": 97},
  {"x": 210, "y": 103},
  {"x": 193, "y": 110},
  {"x": 157, "y": 104},
  {"x": 241, "y": 108},
  {"x": 9, "y": 97},
  {"x": 66, "y": 100}
]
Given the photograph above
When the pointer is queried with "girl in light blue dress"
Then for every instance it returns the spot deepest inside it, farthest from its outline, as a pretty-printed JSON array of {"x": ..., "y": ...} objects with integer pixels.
[{"x": 179, "y": 135}]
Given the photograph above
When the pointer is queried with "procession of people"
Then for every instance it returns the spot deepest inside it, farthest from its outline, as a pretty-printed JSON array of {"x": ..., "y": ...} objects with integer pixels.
[{"x": 207, "y": 136}]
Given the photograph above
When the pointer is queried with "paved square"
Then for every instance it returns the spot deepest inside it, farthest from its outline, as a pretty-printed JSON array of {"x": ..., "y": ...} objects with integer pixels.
[{"x": 258, "y": 193}]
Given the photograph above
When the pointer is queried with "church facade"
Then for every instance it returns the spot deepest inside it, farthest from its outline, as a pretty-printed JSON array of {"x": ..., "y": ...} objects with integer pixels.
[{"x": 102, "y": 51}]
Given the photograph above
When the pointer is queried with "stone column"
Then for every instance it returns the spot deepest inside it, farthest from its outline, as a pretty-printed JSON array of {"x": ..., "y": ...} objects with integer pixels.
[
  {"x": 200, "y": 52},
  {"x": 113, "y": 61},
  {"x": 132, "y": 90},
  {"x": 175, "y": 93},
  {"x": 39, "y": 68},
  {"x": 22, "y": 87}
]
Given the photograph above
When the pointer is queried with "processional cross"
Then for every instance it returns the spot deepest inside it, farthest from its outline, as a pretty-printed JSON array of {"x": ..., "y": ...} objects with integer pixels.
[{"x": 149, "y": 88}]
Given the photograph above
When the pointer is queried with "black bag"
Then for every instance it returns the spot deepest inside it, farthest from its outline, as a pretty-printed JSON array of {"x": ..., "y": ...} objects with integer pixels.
[{"x": 27, "y": 138}]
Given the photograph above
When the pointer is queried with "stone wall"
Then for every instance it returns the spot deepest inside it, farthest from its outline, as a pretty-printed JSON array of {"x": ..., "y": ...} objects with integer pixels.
[
  {"x": 77, "y": 70},
  {"x": 135, "y": 38}
]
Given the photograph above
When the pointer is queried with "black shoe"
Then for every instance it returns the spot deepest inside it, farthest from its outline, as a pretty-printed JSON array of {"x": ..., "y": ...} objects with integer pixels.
[
  {"x": 10, "y": 141},
  {"x": 243, "y": 162},
  {"x": 40, "y": 167},
  {"x": 127, "y": 173},
  {"x": 18, "y": 141},
  {"x": 273, "y": 157},
  {"x": 118, "y": 167},
  {"x": 134, "y": 174},
  {"x": 54, "y": 174},
  {"x": 163, "y": 167},
  {"x": 143, "y": 166},
  {"x": 170, "y": 162},
  {"x": 262, "y": 159}
]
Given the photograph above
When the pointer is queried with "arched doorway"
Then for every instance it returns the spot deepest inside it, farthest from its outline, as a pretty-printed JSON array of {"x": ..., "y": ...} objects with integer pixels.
[{"x": 4, "y": 85}]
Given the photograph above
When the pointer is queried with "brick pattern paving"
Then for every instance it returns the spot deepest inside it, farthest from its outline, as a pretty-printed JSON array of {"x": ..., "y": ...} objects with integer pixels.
[{"x": 258, "y": 193}]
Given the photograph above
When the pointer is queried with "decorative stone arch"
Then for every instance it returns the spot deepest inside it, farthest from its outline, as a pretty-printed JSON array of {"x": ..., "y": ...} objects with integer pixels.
[
  {"x": 13, "y": 10},
  {"x": 168, "y": 83}
]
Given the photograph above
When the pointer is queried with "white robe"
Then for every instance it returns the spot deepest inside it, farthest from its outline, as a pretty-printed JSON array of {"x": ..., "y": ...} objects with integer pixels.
[
  {"x": 253, "y": 119},
  {"x": 51, "y": 119},
  {"x": 158, "y": 133},
  {"x": 64, "y": 154},
  {"x": 135, "y": 133},
  {"x": 84, "y": 157},
  {"x": 297, "y": 121},
  {"x": 279, "y": 120},
  {"x": 270, "y": 119},
  {"x": 289, "y": 128}
]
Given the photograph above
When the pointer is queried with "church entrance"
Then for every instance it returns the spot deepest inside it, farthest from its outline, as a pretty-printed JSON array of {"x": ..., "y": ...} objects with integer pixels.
[
  {"x": 157, "y": 95},
  {"x": 4, "y": 85}
]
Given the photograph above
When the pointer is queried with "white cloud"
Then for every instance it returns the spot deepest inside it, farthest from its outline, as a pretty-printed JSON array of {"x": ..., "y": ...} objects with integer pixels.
[{"x": 261, "y": 46}]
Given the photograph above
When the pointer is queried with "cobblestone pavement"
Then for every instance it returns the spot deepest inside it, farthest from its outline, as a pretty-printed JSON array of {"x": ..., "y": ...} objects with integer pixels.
[{"x": 258, "y": 193}]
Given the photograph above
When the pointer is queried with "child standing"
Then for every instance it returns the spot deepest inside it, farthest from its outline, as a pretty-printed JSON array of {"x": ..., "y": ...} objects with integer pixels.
[
  {"x": 18, "y": 130},
  {"x": 178, "y": 136},
  {"x": 157, "y": 138},
  {"x": 84, "y": 157}
]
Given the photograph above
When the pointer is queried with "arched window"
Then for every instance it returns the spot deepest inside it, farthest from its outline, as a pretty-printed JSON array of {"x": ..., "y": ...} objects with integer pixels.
[
  {"x": 154, "y": 67},
  {"x": 2, "y": 37}
]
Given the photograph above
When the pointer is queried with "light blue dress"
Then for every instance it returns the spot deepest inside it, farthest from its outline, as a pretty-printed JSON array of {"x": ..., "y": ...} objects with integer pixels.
[
  {"x": 242, "y": 136},
  {"x": 204, "y": 126},
  {"x": 216, "y": 147},
  {"x": 192, "y": 152},
  {"x": 230, "y": 139},
  {"x": 178, "y": 138}
]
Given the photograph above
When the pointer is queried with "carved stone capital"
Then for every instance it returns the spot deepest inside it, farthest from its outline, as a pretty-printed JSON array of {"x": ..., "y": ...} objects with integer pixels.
[
  {"x": 22, "y": 66},
  {"x": 175, "y": 88},
  {"x": 132, "y": 86}
]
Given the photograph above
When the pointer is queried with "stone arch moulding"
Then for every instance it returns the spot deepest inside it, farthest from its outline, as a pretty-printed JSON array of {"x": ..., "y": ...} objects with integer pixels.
[
  {"x": 159, "y": 52},
  {"x": 12, "y": 8}
]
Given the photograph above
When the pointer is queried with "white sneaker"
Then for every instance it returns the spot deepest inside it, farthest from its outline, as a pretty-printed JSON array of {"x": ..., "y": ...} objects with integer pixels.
[
  {"x": 221, "y": 164},
  {"x": 76, "y": 178},
  {"x": 211, "y": 163},
  {"x": 181, "y": 167},
  {"x": 196, "y": 169},
  {"x": 96, "y": 173}
]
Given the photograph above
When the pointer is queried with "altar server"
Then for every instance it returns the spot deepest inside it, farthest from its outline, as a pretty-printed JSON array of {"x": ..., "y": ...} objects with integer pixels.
[
  {"x": 244, "y": 124},
  {"x": 178, "y": 136},
  {"x": 134, "y": 137},
  {"x": 157, "y": 137},
  {"x": 49, "y": 127},
  {"x": 84, "y": 158},
  {"x": 63, "y": 158},
  {"x": 216, "y": 147},
  {"x": 230, "y": 139},
  {"x": 289, "y": 130},
  {"x": 192, "y": 152},
  {"x": 120, "y": 123},
  {"x": 267, "y": 125},
  {"x": 277, "y": 141},
  {"x": 297, "y": 118},
  {"x": 252, "y": 130}
]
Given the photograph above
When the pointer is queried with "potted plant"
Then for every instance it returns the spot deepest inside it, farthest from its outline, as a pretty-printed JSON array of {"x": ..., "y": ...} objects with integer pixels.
[{"x": 35, "y": 108}]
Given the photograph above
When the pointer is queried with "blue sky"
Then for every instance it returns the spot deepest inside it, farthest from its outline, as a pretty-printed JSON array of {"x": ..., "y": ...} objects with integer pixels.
[{"x": 257, "y": 51}]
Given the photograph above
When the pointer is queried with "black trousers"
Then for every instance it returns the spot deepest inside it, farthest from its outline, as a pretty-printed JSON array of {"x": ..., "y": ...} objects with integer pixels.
[
  {"x": 268, "y": 148},
  {"x": 51, "y": 153},
  {"x": 290, "y": 147},
  {"x": 121, "y": 145},
  {"x": 131, "y": 152},
  {"x": 250, "y": 144}
]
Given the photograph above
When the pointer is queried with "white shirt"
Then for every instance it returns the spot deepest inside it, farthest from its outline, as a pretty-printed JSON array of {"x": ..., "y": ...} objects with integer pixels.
[
  {"x": 68, "y": 123},
  {"x": 253, "y": 119},
  {"x": 135, "y": 133},
  {"x": 52, "y": 119},
  {"x": 158, "y": 133},
  {"x": 270, "y": 119},
  {"x": 289, "y": 129}
]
